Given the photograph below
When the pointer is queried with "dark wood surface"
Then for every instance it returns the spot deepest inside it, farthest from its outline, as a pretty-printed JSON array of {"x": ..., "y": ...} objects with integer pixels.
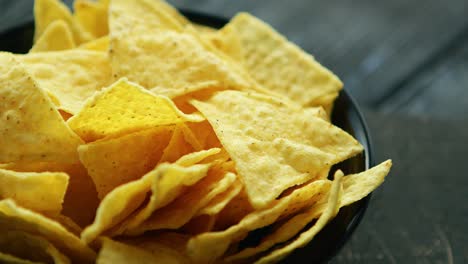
[{"x": 406, "y": 62}]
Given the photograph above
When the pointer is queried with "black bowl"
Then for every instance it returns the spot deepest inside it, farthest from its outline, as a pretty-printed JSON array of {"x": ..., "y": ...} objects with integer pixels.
[{"x": 345, "y": 114}]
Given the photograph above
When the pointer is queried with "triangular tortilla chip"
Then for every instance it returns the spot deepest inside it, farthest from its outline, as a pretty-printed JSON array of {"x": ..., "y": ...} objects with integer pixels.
[
  {"x": 100, "y": 44},
  {"x": 71, "y": 76},
  {"x": 125, "y": 199},
  {"x": 30, "y": 247},
  {"x": 281, "y": 66},
  {"x": 170, "y": 63},
  {"x": 355, "y": 187},
  {"x": 208, "y": 247},
  {"x": 31, "y": 128},
  {"x": 273, "y": 145},
  {"x": 13, "y": 217},
  {"x": 115, "y": 161},
  {"x": 92, "y": 16},
  {"x": 57, "y": 36},
  {"x": 48, "y": 11},
  {"x": 331, "y": 209},
  {"x": 125, "y": 107},
  {"x": 39, "y": 191}
]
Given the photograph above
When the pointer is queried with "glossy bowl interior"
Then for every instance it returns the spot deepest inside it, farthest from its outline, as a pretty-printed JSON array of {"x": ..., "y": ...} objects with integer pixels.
[{"x": 345, "y": 115}]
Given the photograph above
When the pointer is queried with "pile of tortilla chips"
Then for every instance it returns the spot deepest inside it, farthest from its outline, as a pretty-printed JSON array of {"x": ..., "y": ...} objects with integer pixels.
[{"x": 130, "y": 135}]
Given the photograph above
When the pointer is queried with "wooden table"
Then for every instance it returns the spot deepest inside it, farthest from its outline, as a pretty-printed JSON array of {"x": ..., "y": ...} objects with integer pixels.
[{"x": 406, "y": 62}]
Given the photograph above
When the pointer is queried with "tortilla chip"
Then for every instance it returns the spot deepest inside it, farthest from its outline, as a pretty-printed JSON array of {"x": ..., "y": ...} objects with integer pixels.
[
  {"x": 122, "y": 108},
  {"x": 115, "y": 161},
  {"x": 10, "y": 259},
  {"x": 167, "y": 179},
  {"x": 48, "y": 11},
  {"x": 71, "y": 76},
  {"x": 331, "y": 209},
  {"x": 170, "y": 63},
  {"x": 183, "y": 208},
  {"x": 81, "y": 201},
  {"x": 227, "y": 40},
  {"x": 92, "y": 16},
  {"x": 42, "y": 192},
  {"x": 30, "y": 126},
  {"x": 100, "y": 44},
  {"x": 30, "y": 247},
  {"x": 355, "y": 187},
  {"x": 281, "y": 66},
  {"x": 178, "y": 145},
  {"x": 218, "y": 203},
  {"x": 140, "y": 16},
  {"x": 171, "y": 181},
  {"x": 57, "y": 36},
  {"x": 208, "y": 247},
  {"x": 13, "y": 217},
  {"x": 199, "y": 224},
  {"x": 147, "y": 252},
  {"x": 274, "y": 146}
]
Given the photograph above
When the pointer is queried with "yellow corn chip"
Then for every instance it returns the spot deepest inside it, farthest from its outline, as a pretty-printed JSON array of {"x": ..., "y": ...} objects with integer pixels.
[
  {"x": 30, "y": 126},
  {"x": 100, "y": 44},
  {"x": 355, "y": 187},
  {"x": 281, "y": 66},
  {"x": 140, "y": 16},
  {"x": 208, "y": 247},
  {"x": 178, "y": 145},
  {"x": 199, "y": 224},
  {"x": 182, "y": 209},
  {"x": 167, "y": 179},
  {"x": 234, "y": 211},
  {"x": 80, "y": 200},
  {"x": 274, "y": 147},
  {"x": 227, "y": 40},
  {"x": 125, "y": 107},
  {"x": 148, "y": 252},
  {"x": 30, "y": 247},
  {"x": 57, "y": 36},
  {"x": 71, "y": 76},
  {"x": 42, "y": 192},
  {"x": 331, "y": 209},
  {"x": 92, "y": 16},
  {"x": 221, "y": 200},
  {"x": 10, "y": 259},
  {"x": 170, "y": 63},
  {"x": 13, "y": 217},
  {"x": 115, "y": 161},
  {"x": 48, "y": 11},
  {"x": 166, "y": 186}
]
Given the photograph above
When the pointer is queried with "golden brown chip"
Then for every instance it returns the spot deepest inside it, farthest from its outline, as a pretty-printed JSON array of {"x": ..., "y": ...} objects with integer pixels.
[
  {"x": 218, "y": 203},
  {"x": 281, "y": 66},
  {"x": 30, "y": 126},
  {"x": 178, "y": 145},
  {"x": 115, "y": 161},
  {"x": 274, "y": 146},
  {"x": 57, "y": 36}
]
